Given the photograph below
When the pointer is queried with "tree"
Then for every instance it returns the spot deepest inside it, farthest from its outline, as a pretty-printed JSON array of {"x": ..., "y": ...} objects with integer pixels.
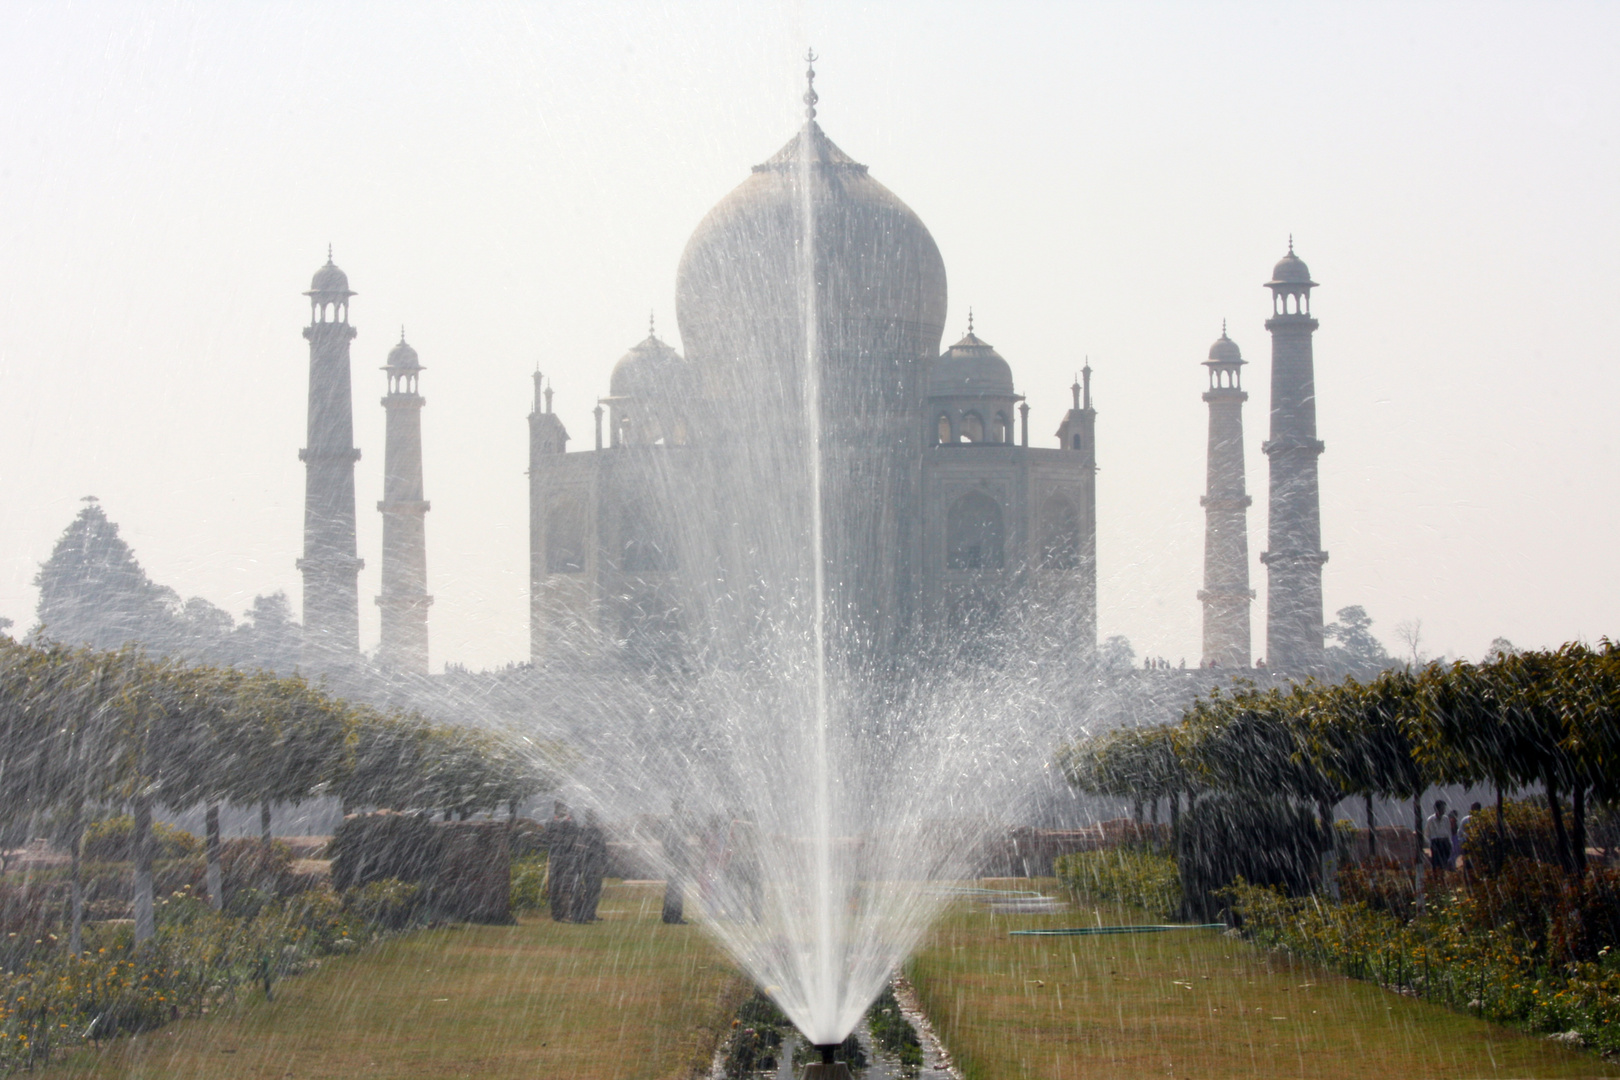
[
  {"x": 92, "y": 591},
  {"x": 1353, "y": 650},
  {"x": 268, "y": 636},
  {"x": 1116, "y": 653}
]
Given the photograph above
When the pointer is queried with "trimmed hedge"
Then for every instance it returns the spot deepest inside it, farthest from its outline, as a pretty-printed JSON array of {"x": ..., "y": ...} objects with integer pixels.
[
  {"x": 1124, "y": 875},
  {"x": 1225, "y": 837}
]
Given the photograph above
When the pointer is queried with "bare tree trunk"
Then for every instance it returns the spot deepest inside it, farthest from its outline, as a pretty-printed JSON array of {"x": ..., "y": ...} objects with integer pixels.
[
  {"x": 1501, "y": 832},
  {"x": 216, "y": 883},
  {"x": 1577, "y": 816},
  {"x": 1329, "y": 862},
  {"x": 1560, "y": 834},
  {"x": 145, "y": 926},
  {"x": 1417, "y": 828},
  {"x": 76, "y": 884},
  {"x": 1372, "y": 830}
]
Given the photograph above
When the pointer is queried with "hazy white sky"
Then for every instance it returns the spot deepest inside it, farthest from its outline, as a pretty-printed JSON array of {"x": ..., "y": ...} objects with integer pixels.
[{"x": 514, "y": 183}]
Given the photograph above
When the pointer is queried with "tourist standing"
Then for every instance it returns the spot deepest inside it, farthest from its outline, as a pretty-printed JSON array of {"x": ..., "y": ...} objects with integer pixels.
[
  {"x": 561, "y": 837},
  {"x": 1438, "y": 830},
  {"x": 677, "y": 854},
  {"x": 592, "y": 857},
  {"x": 1462, "y": 829}
]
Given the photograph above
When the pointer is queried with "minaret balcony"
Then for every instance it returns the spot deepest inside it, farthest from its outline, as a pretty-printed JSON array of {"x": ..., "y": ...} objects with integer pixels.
[
  {"x": 1282, "y": 444},
  {"x": 1226, "y": 502},
  {"x": 325, "y": 456},
  {"x": 415, "y": 507},
  {"x": 1206, "y": 595},
  {"x": 1275, "y": 558}
]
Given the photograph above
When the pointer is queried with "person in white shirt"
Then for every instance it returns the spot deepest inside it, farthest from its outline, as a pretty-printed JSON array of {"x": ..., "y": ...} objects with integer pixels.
[
  {"x": 1438, "y": 830},
  {"x": 1463, "y": 827}
]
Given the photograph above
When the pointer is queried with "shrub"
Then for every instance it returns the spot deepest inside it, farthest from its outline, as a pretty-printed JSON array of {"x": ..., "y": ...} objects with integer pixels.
[
  {"x": 1383, "y": 884},
  {"x": 1227, "y": 837},
  {"x": 246, "y": 865},
  {"x": 113, "y": 840},
  {"x": 529, "y": 883},
  {"x": 1527, "y": 834},
  {"x": 893, "y": 1032},
  {"x": 756, "y": 1038},
  {"x": 389, "y": 904},
  {"x": 1124, "y": 875}
]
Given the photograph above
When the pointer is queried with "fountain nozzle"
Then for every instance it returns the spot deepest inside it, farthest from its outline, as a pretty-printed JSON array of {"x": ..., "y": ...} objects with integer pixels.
[{"x": 826, "y": 1068}]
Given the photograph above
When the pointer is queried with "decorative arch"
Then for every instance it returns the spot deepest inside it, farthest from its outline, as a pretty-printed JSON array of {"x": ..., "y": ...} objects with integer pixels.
[
  {"x": 942, "y": 429},
  {"x": 972, "y": 428},
  {"x": 1060, "y": 534},
  {"x": 565, "y": 536},
  {"x": 644, "y": 545},
  {"x": 975, "y": 534}
]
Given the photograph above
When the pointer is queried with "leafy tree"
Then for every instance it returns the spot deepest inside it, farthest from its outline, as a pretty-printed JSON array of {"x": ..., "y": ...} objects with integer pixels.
[
  {"x": 92, "y": 591},
  {"x": 268, "y": 636},
  {"x": 1353, "y": 650},
  {"x": 1116, "y": 653}
]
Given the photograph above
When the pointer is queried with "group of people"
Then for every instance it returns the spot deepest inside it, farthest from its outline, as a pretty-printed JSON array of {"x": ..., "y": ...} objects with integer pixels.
[
  {"x": 1446, "y": 834},
  {"x": 576, "y": 863}
]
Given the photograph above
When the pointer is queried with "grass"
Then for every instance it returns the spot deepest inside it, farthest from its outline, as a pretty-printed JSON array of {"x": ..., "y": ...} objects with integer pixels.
[
  {"x": 1191, "y": 1004},
  {"x": 627, "y": 997}
]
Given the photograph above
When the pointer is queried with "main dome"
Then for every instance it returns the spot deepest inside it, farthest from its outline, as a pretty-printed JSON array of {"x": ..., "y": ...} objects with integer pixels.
[{"x": 880, "y": 281}]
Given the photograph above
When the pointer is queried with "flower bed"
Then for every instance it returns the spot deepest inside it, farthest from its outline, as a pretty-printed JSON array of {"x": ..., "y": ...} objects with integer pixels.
[
  {"x": 198, "y": 959},
  {"x": 1527, "y": 948}
]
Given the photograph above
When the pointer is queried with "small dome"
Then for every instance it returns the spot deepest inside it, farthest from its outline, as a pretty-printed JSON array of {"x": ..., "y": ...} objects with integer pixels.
[
  {"x": 403, "y": 356},
  {"x": 1290, "y": 270},
  {"x": 1225, "y": 351},
  {"x": 971, "y": 368},
  {"x": 646, "y": 370},
  {"x": 329, "y": 279}
]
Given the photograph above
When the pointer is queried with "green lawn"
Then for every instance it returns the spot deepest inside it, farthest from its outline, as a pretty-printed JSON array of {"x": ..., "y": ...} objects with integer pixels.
[
  {"x": 1191, "y": 1004},
  {"x": 625, "y": 997}
]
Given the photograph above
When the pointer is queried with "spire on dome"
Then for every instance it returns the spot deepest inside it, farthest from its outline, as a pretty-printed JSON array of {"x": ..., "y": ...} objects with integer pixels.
[
  {"x": 329, "y": 253},
  {"x": 651, "y": 331},
  {"x": 810, "y": 96},
  {"x": 970, "y": 320}
]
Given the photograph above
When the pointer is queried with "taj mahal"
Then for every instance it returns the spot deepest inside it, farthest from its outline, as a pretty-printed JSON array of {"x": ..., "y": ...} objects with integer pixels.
[{"x": 942, "y": 509}]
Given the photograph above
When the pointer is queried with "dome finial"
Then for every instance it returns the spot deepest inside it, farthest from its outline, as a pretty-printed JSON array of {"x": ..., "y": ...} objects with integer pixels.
[
  {"x": 1223, "y": 328},
  {"x": 651, "y": 332},
  {"x": 402, "y": 333},
  {"x": 810, "y": 97},
  {"x": 970, "y": 320},
  {"x": 1290, "y": 243},
  {"x": 329, "y": 254}
]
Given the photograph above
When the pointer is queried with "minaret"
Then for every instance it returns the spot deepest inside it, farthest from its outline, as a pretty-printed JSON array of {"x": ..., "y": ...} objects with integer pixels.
[
  {"x": 1078, "y": 433},
  {"x": 548, "y": 441},
  {"x": 1226, "y": 593},
  {"x": 404, "y": 600},
  {"x": 1294, "y": 526},
  {"x": 330, "y": 564}
]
